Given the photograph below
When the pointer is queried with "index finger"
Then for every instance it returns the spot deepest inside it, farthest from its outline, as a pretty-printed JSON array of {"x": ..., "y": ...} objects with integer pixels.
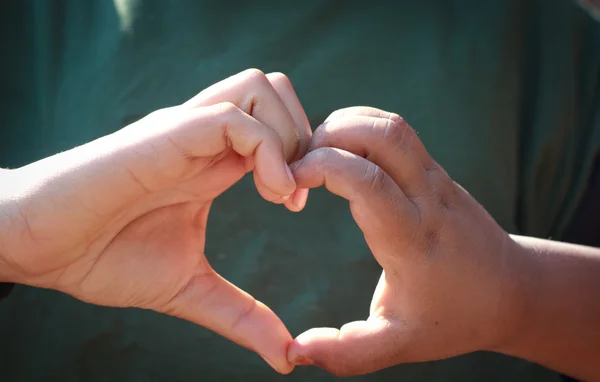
[
  {"x": 378, "y": 205},
  {"x": 284, "y": 88},
  {"x": 253, "y": 93}
]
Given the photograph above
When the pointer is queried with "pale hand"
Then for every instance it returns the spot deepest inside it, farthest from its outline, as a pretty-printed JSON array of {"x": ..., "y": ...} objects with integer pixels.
[{"x": 121, "y": 221}]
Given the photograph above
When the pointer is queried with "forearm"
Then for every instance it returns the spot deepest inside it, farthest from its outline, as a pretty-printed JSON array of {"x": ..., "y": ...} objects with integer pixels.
[{"x": 562, "y": 330}]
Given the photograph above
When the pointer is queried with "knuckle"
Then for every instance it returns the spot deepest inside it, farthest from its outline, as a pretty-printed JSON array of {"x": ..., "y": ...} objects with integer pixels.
[
  {"x": 281, "y": 80},
  {"x": 243, "y": 315},
  {"x": 396, "y": 118},
  {"x": 255, "y": 77},
  {"x": 376, "y": 178},
  {"x": 334, "y": 131},
  {"x": 227, "y": 108},
  {"x": 396, "y": 130},
  {"x": 226, "y": 114},
  {"x": 326, "y": 160},
  {"x": 323, "y": 156}
]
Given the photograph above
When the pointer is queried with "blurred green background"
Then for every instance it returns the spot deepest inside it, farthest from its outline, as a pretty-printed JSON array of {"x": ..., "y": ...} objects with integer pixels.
[{"x": 504, "y": 93}]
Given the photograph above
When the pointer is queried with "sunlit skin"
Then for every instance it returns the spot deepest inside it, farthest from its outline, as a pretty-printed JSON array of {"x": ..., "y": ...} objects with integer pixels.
[
  {"x": 453, "y": 281},
  {"x": 121, "y": 221}
]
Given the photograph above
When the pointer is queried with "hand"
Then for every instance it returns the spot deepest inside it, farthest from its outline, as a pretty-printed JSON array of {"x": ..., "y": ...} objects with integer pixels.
[
  {"x": 121, "y": 221},
  {"x": 447, "y": 287}
]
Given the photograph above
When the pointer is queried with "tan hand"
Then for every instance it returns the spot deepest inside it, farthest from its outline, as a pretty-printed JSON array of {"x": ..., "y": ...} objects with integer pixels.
[
  {"x": 121, "y": 221},
  {"x": 446, "y": 287}
]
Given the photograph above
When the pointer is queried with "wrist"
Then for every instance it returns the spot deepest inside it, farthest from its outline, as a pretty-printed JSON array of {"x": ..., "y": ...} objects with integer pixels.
[
  {"x": 536, "y": 278},
  {"x": 9, "y": 221},
  {"x": 520, "y": 295},
  {"x": 561, "y": 328}
]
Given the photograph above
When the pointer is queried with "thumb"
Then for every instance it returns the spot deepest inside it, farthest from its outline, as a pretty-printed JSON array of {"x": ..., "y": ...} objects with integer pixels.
[
  {"x": 359, "y": 347},
  {"x": 214, "y": 303}
]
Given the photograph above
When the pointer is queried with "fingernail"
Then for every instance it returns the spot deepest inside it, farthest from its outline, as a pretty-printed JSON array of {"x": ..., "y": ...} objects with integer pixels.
[
  {"x": 289, "y": 174},
  {"x": 300, "y": 198},
  {"x": 303, "y": 361},
  {"x": 269, "y": 362}
]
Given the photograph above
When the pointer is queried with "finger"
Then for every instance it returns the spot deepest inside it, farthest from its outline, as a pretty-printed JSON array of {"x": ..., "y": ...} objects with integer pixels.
[
  {"x": 252, "y": 92},
  {"x": 205, "y": 132},
  {"x": 388, "y": 142},
  {"x": 366, "y": 111},
  {"x": 294, "y": 202},
  {"x": 298, "y": 200},
  {"x": 266, "y": 193},
  {"x": 223, "y": 175},
  {"x": 359, "y": 347},
  {"x": 285, "y": 90},
  {"x": 214, "y": 303},
  {"x": 378, "y": 205}
]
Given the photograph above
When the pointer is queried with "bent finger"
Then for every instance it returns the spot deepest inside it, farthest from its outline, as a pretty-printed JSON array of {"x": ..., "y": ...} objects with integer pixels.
[
  {"x": 378, "y": 205},
  {"x": 252, "y": 92},
  {"x": 388, "y": 142},
  {"x": 205, "y": 132},
  {"x": 284, "y": 88}
]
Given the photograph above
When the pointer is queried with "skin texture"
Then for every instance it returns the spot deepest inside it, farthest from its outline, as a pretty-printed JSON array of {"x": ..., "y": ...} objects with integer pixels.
[
  {"x": 453, "y": 281},
  {"x": 121, "y": 221}
]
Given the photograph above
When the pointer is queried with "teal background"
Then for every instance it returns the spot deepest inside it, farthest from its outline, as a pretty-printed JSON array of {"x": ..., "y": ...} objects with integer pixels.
[{"x": 505, "y": 95}]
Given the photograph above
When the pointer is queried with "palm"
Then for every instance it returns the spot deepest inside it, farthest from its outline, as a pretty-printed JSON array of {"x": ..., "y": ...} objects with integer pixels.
[{"x": 156, "y": 255}]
